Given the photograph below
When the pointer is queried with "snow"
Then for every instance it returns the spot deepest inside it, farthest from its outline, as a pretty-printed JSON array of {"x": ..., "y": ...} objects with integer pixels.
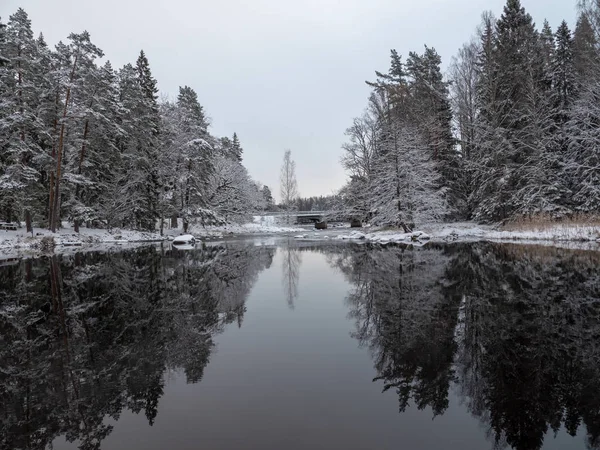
[
  {"x": 20, "y": 242},
  {"x": 259, "y": 225},
  {"x": 470, "y": 231},
  {"x": 184, "y": 239},
  {"x": 66, "y": 237}
]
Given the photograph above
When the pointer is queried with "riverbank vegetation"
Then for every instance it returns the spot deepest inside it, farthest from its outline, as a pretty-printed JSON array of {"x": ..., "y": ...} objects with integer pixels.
[
  {"x": 509, "y": 134},
  {"x": 84, "y": 142}
]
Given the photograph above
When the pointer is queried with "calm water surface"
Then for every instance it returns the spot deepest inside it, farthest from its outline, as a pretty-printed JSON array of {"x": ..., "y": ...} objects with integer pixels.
[{"x": 287, "y": 345}]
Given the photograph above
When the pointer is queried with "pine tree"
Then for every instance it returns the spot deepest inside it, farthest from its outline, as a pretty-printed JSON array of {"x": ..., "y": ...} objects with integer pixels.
[
  {"x": 512, "y": 111},
  {"x": 22, "y": 129},
  {"x": 193, "y": 117},
  {"x": 80, "y": 55},
  {"x": 268, "y": 197},
  {"x": 564, "y": 88},
  {"x": 236, "y": 148},
  {"x": 432, "y": 112},
  {"x": 585, "y": 50},
  {"x": 547, "y": 47},
  {"x": 3, "y": 58},
  {"x": 146, "y": 136}
]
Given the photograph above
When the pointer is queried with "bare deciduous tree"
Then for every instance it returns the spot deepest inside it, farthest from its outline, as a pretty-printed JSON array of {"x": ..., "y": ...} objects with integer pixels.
[{"x": 288, "y": 184}]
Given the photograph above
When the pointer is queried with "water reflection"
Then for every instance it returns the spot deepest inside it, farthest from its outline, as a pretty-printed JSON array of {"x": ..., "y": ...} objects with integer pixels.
[
  {"x": 516, "y": 329},
  {"x": 513, "y": 331},
  {"x": 83, "y": 337},
  {"x": 291, "y": 261}
]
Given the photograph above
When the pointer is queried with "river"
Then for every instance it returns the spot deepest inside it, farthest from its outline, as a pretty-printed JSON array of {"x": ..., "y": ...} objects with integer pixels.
[{"x": 279, "y": 344}]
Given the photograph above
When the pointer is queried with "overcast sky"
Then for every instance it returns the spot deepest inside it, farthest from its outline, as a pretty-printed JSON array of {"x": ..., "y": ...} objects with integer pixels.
[{"x": 280, "y": 73}]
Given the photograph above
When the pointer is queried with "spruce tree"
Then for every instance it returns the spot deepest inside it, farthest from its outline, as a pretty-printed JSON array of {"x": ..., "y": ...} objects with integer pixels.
[
  {"x": 147, "y": 143},
  {"x": 236, "y": 148},
  {"x": 3, "y": 59},
  {"x": 547, "y": 49},
  {"x": 585, "y": 50},
  {"x": 22, "y": 153},
  {"x": 563, "y": 73},
  {"x": 511, "y": 113}
]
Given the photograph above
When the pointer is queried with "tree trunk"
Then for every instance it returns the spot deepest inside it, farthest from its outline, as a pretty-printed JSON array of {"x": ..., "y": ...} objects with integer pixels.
[
  {"x": 174, "y": 221},
  {"x": 85, "y": 134},
  {"x": 28, "y": 221},
  {"x": 61, "y": 141},
  {"x": 76, "y": 226},
  {"x": 51, "y": 178}
]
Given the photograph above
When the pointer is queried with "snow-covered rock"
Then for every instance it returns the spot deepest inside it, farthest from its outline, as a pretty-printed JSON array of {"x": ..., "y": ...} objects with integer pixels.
[{"x": 184, "y": 239}]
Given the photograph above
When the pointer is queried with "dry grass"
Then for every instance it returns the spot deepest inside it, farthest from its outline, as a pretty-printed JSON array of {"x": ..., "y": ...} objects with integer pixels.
[
  {"x": 543, "y": 222},
  {"x": 577, "y": 227}
]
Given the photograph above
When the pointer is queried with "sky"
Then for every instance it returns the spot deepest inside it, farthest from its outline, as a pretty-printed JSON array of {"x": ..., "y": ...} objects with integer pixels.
[{"x": 282, "y": 74}]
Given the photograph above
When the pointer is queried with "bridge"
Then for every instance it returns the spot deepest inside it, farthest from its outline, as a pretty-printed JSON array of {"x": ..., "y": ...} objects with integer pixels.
[
  {"x": 301, "y": 217},
  {"x": 309, "y": 216}
]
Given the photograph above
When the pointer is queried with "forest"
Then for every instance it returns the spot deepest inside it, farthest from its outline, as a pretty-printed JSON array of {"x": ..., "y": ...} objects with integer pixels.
[
  {"x": 510, "y": 131},
  {"x": 87, "y": 143}
]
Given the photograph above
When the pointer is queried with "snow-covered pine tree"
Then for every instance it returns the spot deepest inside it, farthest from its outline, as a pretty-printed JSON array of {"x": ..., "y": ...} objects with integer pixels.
[
  {"x": 22, "y": 130},
  {"x": 585, "y": 42},
  {"x": 268, "y": 198},
  {"x": 97, "y": 161},
  {"x": 140, "y": 180},
  {"x": 511, "y": 77},
  {"x": 236, "y": 147},
  {"x": 80, "y": 55},
  {"x": 430, "y": 108},
  {"x": 547, "y": 49},
  {"x": 147, "y": 143},
  {"x": 3, "y": 58},
  {"x": 564, "y": 73},
  {"x": 547, "y": 190}
]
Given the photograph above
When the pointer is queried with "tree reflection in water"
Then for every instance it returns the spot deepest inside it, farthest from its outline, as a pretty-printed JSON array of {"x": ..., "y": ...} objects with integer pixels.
[
  {"x": 515, "y": 328},
  {"x": 83, "y": 337},
  {"x": 291, "y": 259}
]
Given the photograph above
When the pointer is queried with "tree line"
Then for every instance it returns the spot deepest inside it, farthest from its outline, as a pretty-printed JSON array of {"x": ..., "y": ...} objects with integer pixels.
[
  {"x": 84, "y": 142},
  {"x": 511, "y": 131}
]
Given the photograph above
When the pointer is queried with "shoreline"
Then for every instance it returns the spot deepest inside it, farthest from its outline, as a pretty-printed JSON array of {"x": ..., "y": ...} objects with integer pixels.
[{"x": 18, "y": 244}]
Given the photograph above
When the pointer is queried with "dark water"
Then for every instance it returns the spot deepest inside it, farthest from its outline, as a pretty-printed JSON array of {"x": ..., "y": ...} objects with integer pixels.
[{"x": 281, "y": 346}]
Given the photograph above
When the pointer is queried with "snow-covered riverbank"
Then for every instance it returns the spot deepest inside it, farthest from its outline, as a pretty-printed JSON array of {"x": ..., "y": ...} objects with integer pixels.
[
  {"x": 19, "y": 242},
  {"x": 467, "y": 231},
  {"x": 15, "y": 243}
]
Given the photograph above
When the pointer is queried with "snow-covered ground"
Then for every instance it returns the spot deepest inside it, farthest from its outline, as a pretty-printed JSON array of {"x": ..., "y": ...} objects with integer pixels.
[
  {"x": 470, "y": 231},
  {"x": 44, "y": 240},
  {"x": 20, "y": 242},
  {"x": 260, "y": 225}
]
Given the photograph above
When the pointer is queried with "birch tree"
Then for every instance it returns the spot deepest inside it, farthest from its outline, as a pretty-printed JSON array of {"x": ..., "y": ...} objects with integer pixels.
[{"x": 288, "y": 185}]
